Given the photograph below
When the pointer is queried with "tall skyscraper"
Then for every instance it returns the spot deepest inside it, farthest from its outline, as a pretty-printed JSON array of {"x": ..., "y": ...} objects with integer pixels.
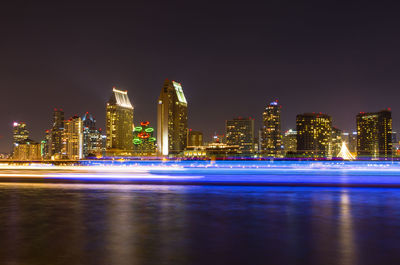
[
  {"x": 374, "y": 134},
  {"x": 91, "y": 136},
  {"x": 171, "y": 119},
  {"x": 119, "y": 124},
  {"x": 73, "y": 138},
  {"x": 314, "y": 134},
  {"x": 45, "y": 145},
  {"x": 271, "y": 143},
  {"x": 20, "y": 132},
  {"x": 240, "y": 132},
  {"x": 57, "y": 132}
]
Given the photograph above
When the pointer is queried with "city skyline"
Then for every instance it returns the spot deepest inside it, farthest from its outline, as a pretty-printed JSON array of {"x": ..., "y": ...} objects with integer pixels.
[{"x": 234, "y": 59}]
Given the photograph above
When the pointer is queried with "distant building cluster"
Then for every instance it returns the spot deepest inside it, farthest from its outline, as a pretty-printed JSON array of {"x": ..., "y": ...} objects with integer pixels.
[{"x": 314, "y": 137}]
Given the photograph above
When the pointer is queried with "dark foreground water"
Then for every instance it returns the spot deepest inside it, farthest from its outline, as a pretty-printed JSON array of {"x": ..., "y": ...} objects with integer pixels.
[{"x": 139, "y": 224}]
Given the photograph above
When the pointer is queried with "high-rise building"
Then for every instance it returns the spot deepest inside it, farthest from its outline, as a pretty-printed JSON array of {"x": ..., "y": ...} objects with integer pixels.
[
  {"x": 374, "y": 134},
  {"x": 290, "y": 142},
  {"x": 45, "y": 145},
  {"x": 271, "y": 143},
  {"x": 194, "y": 138},
  {"x": 119, "y": 124},
  {"x": 240, "y": 132},
  {"x": 91, "y": 136},
  {"x": 20, "y": 132},
  {"x": 57, "y": 132},
  {"x": 73, "y": 138},
  {"x": 171, "y": 119},
  {"x": 337, "y": 140},
  {"x": 27, "y": 150},
  {"x": 314, "y": 133}
]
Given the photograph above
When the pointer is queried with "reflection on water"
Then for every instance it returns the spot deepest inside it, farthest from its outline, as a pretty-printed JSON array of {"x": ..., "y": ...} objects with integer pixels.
[{"x": 134, "y": 224}]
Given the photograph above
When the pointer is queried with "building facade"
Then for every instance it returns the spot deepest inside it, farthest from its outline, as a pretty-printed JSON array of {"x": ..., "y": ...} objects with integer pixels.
[
  {"x": 73, "y": 138},
  {"x": 119, "y": 124},
  {"x": 289, "y": 141},
  {"x": 374, "y": 135},
  {"x": 314, "y": 135},
  {"x": 194, "y": 138},
  {"x": 271, "y": 142},
  {"x": 240, "y": 132},
  {"x": 144, "y": 142},
  {"x": 336, "y": 141},
  {"x": 92, "y": 144},
  {"x": 27, "y": 150},
  {"x": 57, "y": 132},
  {"x": 171, "y": 119},
  {"x": 20, "y": 132}
]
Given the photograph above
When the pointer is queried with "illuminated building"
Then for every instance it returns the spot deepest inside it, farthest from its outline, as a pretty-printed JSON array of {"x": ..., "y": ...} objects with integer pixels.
[
  {"x": 271, "y": 143},
  {"x": 27, "y": 150},
  {"x": 57, "y": 132},
  {"x": 289, "y": 141},
  {"x": 119, "y": 124},
  {"x": 45, "y": 145},
  {"x": 337, "y": 141},
  {"x": 73, "y": 138},
  {"x": 314, "y": 133},
  {"x": 20, "y": 132},
  {"x": 240, "y": 132},
  {"x": 345, "y": 153},
  {"x": 374, "y": 134},
  {"x": 194, "y": 138},
  {"x": 91, "y": 137},
  {"x": 144, "y": 143},
  {"x": 171, "y": 119}
]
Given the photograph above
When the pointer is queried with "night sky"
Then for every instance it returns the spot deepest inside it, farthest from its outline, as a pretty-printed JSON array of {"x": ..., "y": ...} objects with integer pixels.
[{"x": 339, "y": 58}]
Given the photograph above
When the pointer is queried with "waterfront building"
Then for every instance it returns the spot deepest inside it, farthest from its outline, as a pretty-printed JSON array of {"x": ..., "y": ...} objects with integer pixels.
[
  {"x": 144, "y": 142},
  {"x": 171, "y": 119},
  {"x": 27, "y": 150},
  {"x": 337, "y": 140},
  {"x": 20, "y": 132},
  {"x": 57, "y": 132},
  {"x": 194, "y": 138},
  {"x": 92, "y": 142},
  {"x": 45, "y": 145},
  {"x": 73, "y": 138},
  {"x": 374, "y": 135},
  {"x": 240, "y": 132},
  {"x": 290, "y": 142},
  {"x": 119, "y": 124},
  {"x": 271, "y": 143},
  {"x": 314, "y": 133}
]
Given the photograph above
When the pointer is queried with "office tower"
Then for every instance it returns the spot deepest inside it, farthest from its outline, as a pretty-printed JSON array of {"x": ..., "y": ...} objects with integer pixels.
[
  {"x": 194, "y": 138},
  {"x": 171, "y": 119},
  {"x": 144, "y": 143},
  {"x": 337, "y": 140},
  {"x": 27, "y": 150},
  {"x": 45, "y": 145},
  {"x": 271, "y": 144},
  {"x": 73, "y": 138},
  {"x": 374, "y": 134},
  {"x": 57, "y": 132},
  {"x": 20, "y": 132},
  {"x": 119, "y": 124},
  {"x": 91, "y": 136},
  {"x": 290, "y": 142},
  {"x": 314, "y": 133},
  {"x": 240, "y": 131}
]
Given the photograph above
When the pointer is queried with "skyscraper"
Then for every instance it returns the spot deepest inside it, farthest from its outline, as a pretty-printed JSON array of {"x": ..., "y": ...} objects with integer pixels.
[
  {"x": 194, "y": 138},
  {"x": 374, "y": 134},
  {"x": 337, "y": 140},
  {"x": 20, "y": 132},
  {"x": 314, "y": 134},
  {"x": 45, "y": 145},
  {"x": 73, "y": 138},
  {"x": 91, "y": 136},
  {"x": 271, "y": 142},
  {"x": 171, "y": 119},
  {"x": 240, "y": 132},
  {"x": 119, "y": 124},
  {"x": 290, "y": 142},
  {"x": 57, "y": 132}
]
